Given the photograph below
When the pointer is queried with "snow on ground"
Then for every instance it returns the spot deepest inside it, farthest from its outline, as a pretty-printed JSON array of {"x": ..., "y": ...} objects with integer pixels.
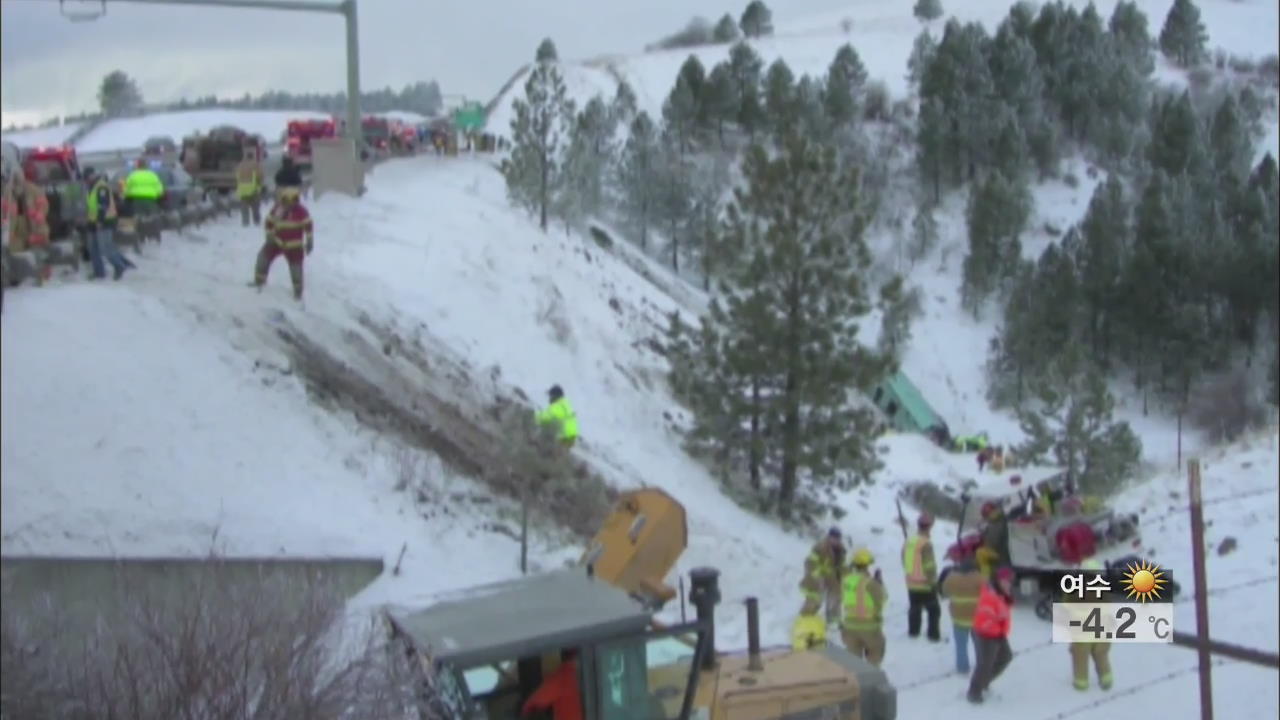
[
  {"x": 882, "y": 33},
  {"x": 159, "y": 436},
  {"x": 403, "y": 116},
  {"x": 150, "y": 446},
  {"x": 130, "y": 133},
  {"x": 55, "y": 135},
  {"x": 1038, "y": 683}
]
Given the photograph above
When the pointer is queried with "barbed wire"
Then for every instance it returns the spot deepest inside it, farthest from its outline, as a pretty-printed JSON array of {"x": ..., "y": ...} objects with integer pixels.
[
  {"x": 1035, "y": 647},
  {"x": 1185, "y": 507},
  {"x": 1133, "y": 690}
]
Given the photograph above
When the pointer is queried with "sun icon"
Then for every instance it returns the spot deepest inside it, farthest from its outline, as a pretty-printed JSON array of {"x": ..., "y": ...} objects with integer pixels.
[{"x": 1144, "y": 580}]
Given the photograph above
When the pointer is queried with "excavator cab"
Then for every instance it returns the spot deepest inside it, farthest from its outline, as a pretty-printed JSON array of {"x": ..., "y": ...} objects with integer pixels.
[{"x": 481, "y": 656}]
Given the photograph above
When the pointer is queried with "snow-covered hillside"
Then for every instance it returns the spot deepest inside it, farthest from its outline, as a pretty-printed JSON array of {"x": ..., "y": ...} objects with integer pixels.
[
  {"x": 55, "y": 135},
  {"x": 198, "y": 423},
  {"x": 882, "y": 33}
]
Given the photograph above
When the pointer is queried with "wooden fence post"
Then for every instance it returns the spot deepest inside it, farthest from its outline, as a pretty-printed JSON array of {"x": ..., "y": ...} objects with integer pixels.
[{"x": 1202, "y": 590}]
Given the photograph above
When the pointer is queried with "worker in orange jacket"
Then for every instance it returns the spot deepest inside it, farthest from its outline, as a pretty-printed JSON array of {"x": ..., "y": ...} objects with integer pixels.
[
  {"x": 559, "y": 693},
  {"x": 290, "y": 233},
  {"x": 992, "y": 621}
]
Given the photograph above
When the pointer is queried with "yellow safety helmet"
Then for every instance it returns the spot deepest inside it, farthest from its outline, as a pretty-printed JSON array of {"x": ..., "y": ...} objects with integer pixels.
[{"x": 862, "y": 558}]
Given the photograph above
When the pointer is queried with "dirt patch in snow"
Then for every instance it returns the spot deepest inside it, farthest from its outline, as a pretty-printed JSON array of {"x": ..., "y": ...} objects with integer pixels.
[{"x": 390, "y": 386}]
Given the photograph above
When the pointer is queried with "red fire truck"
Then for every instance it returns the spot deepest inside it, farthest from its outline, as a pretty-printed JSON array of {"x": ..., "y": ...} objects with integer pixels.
[
  {"x": 299, "y": 134},
  {"x": 57, "y": 170}
]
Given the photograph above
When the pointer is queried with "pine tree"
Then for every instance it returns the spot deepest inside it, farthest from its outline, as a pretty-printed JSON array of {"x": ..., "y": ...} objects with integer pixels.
[
  {"x": 811, "y": 119},
  {"x": 1175, "y": 137},
  {"x": 960, "y": 78},
  {"x": 780, "y": 97},
  {"x": 623, "y": 108},
  {"x": 118, "y": 95},
  {"x": 1128, "y": 28},
  {"x": 719, "y": 100},
  {"x": 726, "y": 31},
  {"x": 997, "y": 214},
  {"x": 1229, "y": 138},
  {"x": 1148, "y": 279},
  {"x": 1105, "y": 236},
  {"x": 924, "y": 233},
  {"x": 927, "y": 10},
  {"x": 638, "y": 176},
  {"x": 583, "y": 192},
  {"x": 673, "y": 199},
  {"x": 757, "y": 20},
  {"x": 1011, "y": 153},
  {"x": 922, "y": 50},
  {"x": 704, "y": 221},
  {"x": 547, "y": 52},
  {"x": 746, "y": 68},
  {"x": 1183, "y": 37},
  {"x": 1072, "y": 424},
  {"x": 542, "y": 117},
  {"x": 1014, "y": 356},
  {"x": 785, "y": 322},
  {"x": 846, "y": 79},
  {"x": 680, "y": 115},
  {"x": 931, "y": 138}
]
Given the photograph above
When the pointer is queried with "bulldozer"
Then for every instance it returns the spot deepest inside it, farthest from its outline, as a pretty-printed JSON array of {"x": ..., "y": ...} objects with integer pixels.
[{"x": 482, "y": 653}]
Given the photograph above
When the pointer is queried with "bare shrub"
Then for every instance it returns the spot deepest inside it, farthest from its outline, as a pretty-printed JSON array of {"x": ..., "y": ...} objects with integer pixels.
[
  {"x": 1269, "y": 69},
  {"x": 408, "y": 468},
  {"x": 267, "y": 647},
  {"x": 1228, "y": 405}
]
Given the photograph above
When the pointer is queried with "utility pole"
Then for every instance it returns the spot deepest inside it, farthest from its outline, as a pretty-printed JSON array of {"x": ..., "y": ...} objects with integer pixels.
[
  {"x": 1202, "y": 590},
  {"x": 345, "y": 8}
]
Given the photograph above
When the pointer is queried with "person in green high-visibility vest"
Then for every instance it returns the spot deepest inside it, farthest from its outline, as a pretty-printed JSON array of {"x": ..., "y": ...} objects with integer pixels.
[
  {"x": 559, "y": 413},
  {"x": 862, "y": 627},
  {"x": 143, "y": 190},
  {"x": 101, "y": 215}
]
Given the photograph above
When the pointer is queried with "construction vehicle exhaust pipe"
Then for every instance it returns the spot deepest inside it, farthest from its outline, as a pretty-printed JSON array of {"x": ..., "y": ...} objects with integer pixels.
[
  {"x": 704, "y": 593},
  {"x": 753, "y": 635}
]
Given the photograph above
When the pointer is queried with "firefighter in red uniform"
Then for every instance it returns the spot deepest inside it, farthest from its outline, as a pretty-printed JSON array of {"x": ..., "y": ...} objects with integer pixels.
[{"x": 289, "y": 232}]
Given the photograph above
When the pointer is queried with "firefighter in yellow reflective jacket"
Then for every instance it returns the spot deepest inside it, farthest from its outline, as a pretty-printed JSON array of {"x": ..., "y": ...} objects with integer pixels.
[
  {"x": 1081, "y": 652},
  {"x": 823, "y": 577},
  {"x": 808, "y": 632},
  {"x": 143, "y": 190},
  {"x": 961, "y": 584},
  {"x": 921, "y": 570},
  {"x": 249, "y": 189},
  {"x": 862, "y": 627},
  {"x": 560, "y": 414}
]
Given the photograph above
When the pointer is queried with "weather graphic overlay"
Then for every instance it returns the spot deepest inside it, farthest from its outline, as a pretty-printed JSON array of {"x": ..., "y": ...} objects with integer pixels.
[
  {"x": 1123, "y": 604},
  {"x": 1143, "y": 581}
]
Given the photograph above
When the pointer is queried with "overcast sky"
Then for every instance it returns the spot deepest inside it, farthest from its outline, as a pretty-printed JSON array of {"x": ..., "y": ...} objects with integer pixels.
[{"x": 51, "y": 66}]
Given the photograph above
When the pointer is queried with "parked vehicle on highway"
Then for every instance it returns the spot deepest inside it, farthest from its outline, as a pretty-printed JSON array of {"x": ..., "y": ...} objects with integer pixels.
[
  {"x": 180, "y": 189},
  {"x": 211, "y": 159},
  {"x": 161, "y": 146},
  {"x": 300, "y": 133},
  {"x": 57, "y": 170}
]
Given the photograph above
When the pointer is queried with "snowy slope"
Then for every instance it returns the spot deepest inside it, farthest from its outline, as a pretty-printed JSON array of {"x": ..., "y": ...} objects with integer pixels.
[
  {"x": 42, "y": 136},
  {"x": 130, "y": 133},
  {"x": 882, "y": 33},
  {"x": 149, "y": 446}
]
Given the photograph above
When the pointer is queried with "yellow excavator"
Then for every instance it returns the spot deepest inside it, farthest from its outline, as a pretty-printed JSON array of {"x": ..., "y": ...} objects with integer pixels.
[{"x": 484, "y": 652}]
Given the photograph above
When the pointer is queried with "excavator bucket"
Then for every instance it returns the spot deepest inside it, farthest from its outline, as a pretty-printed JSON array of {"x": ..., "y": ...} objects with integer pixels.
[{"x": 639, "y": 543}]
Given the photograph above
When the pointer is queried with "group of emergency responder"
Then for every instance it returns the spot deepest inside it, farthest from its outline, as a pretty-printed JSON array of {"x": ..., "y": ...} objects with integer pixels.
[
  {"x": 25, "y": 208},
  {"x": 977, "y": 586}
]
